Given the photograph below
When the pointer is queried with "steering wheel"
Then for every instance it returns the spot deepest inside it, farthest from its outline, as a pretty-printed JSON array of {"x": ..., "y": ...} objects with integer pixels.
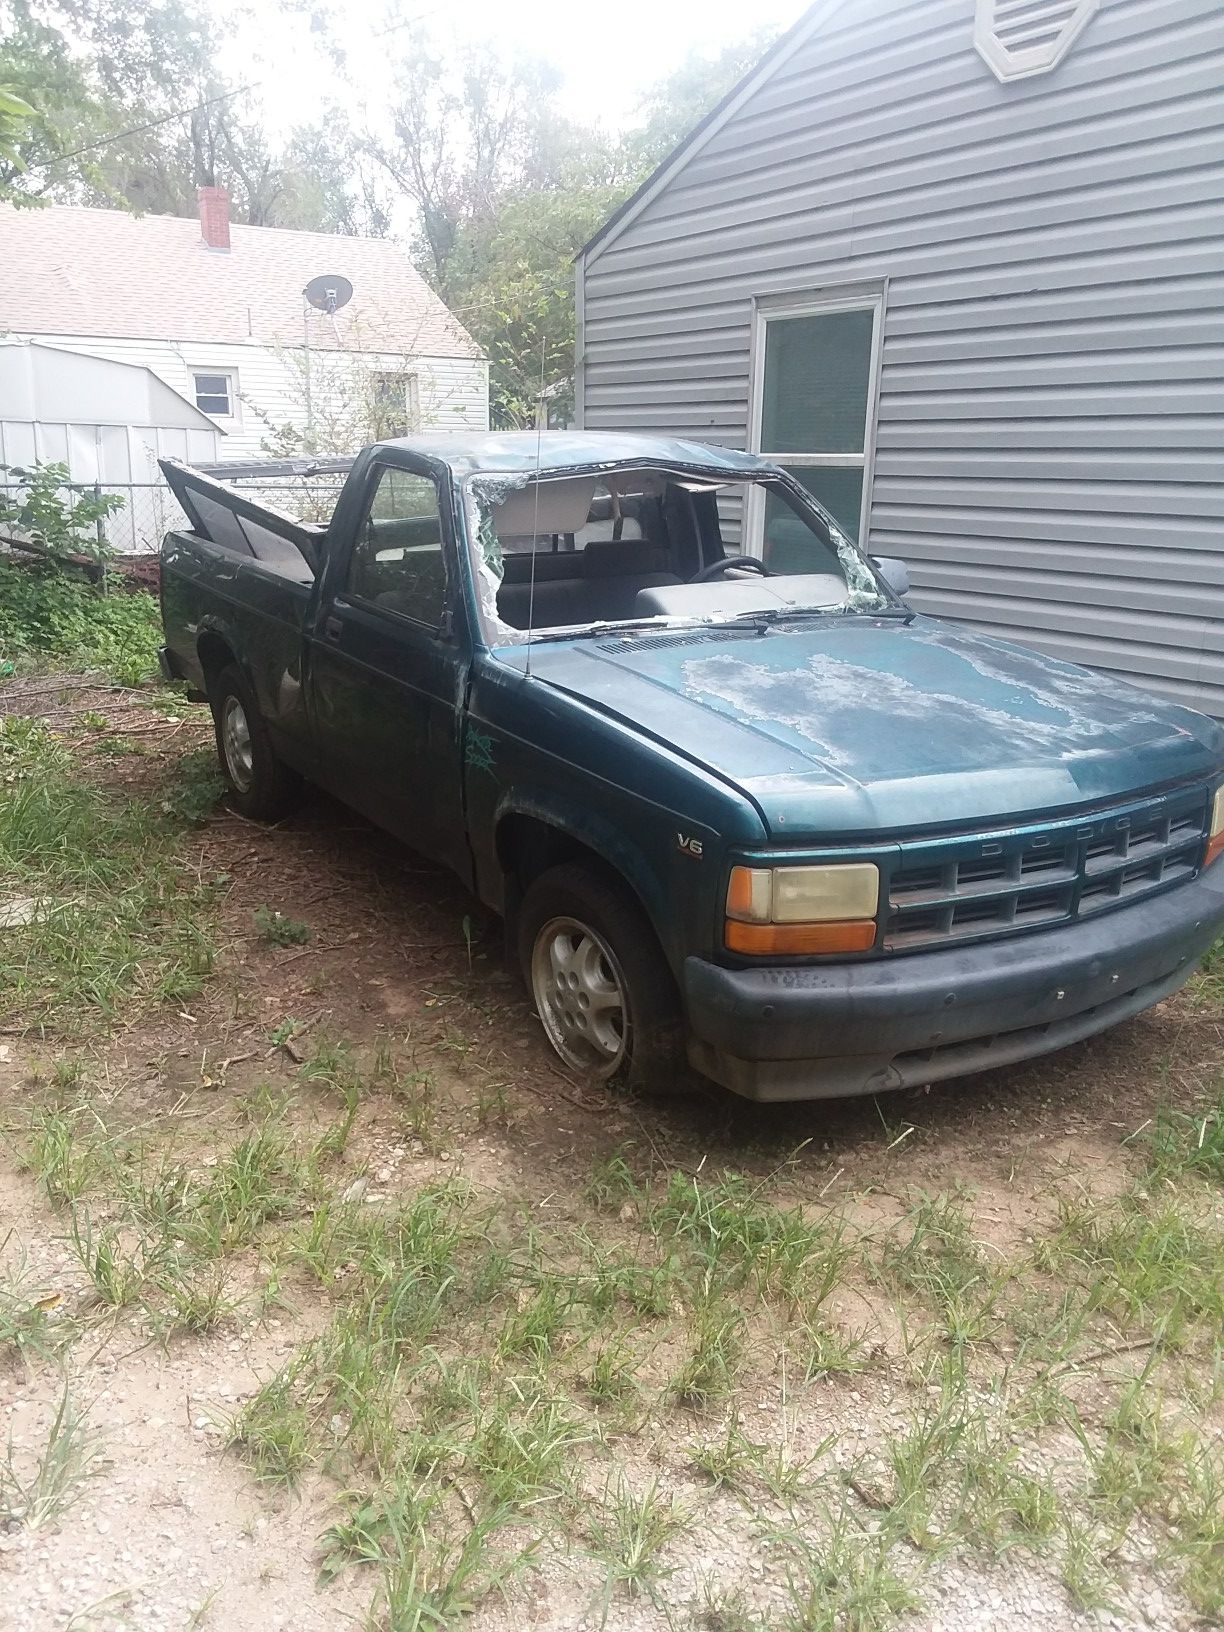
[{"x": 738, "y": 563}]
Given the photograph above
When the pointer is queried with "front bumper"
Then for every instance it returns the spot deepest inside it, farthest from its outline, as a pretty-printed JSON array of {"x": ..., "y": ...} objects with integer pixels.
[{"x": 822, "y": 1031}]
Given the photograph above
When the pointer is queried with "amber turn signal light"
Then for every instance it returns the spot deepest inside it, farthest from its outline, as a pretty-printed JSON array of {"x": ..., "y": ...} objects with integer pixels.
[
  {"x": 798, "y": 940},
  {"x": 1215, "y": 833}
]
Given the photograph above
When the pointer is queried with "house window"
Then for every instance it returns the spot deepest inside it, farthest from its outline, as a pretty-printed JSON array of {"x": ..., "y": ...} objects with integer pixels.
[
  {"x": 814, "y": 401},
  {"x": 394, "y": 405},
  {"x": 214, "y": 394}
]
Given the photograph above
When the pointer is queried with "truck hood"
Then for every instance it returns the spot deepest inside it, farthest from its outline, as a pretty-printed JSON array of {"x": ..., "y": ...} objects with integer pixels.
[{"x": 866, "y": 725}]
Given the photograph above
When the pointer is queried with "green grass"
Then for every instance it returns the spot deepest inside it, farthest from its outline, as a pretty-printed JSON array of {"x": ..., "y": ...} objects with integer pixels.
[
  {"x": 116, "y": 918},
  {"x": 1190, "y": 1143}
]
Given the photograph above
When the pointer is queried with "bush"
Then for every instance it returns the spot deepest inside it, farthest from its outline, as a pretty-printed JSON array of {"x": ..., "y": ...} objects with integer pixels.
[
  {"x": 54, "y": 518},
  {"x": 48, "y": 616}
]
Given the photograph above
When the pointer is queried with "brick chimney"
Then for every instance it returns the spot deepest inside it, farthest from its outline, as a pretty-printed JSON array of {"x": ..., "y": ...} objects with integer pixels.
[{"x": 214, "y": 217}]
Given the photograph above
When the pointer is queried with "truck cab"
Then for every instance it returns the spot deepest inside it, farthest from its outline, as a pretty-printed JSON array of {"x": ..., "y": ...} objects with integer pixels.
[{"x": 741, "y": 808}]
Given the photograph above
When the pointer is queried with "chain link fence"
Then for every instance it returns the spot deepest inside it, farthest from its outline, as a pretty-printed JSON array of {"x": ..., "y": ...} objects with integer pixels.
[{"x": 150, "y": 510}]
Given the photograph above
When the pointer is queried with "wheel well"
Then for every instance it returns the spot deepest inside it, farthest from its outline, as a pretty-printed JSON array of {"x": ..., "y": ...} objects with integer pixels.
[
  {"x": 527, "y": 847},
  {"x": 215, "y": 654}
]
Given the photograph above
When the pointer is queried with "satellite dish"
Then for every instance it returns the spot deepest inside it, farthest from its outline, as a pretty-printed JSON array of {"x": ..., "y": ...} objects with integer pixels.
[{"x": 328, "y": 294}]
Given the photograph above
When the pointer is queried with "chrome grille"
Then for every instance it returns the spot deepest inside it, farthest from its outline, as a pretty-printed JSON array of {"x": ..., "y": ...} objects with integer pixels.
[{"x": 968, "y": 888}]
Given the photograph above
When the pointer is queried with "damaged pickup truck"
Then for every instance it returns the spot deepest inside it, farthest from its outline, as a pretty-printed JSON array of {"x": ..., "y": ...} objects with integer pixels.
[{"x": 736, "y": 802}]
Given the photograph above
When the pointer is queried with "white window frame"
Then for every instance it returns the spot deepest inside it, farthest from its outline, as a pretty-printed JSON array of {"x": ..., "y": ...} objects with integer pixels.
[
  {"x": 813, "y": 303},
  {"x": 230, "y": 376}
]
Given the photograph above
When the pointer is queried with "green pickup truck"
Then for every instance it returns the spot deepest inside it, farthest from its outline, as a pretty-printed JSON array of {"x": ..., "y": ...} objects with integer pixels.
[{"x": 738, "y": 804}]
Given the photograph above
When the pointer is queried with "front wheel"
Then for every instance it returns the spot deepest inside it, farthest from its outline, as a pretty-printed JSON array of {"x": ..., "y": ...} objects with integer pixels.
[
  {"x": 599, "y": 981},
  {"x": 260, "y": 785}
]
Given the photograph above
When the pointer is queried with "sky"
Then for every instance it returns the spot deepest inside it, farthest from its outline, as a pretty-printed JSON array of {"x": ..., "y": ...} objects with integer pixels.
[{"x": 607, "y": 54}]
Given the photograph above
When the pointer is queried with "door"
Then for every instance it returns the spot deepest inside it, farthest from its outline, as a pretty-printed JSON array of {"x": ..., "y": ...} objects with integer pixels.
[{"x": 387, "y": 675}]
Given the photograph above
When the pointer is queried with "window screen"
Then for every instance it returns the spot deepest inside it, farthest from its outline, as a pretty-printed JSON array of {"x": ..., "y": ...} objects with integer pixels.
[
  {"x": 213, "y": 395},
  {"x": 398, "y": 562},
  {"x": 815, "y": 402}
]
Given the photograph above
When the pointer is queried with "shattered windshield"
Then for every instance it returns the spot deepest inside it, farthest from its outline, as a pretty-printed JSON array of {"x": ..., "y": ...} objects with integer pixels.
[{"x": 566, "y": 553}]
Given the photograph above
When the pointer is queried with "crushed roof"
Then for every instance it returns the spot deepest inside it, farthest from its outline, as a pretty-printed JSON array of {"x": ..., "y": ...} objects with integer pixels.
[
  {"x": 523, "y": 453},
  {"x": 78, "y": 271}
]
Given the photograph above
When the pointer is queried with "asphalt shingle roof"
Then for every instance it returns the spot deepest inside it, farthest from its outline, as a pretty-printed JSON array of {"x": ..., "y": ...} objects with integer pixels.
[{"x": 104, "y": 272}]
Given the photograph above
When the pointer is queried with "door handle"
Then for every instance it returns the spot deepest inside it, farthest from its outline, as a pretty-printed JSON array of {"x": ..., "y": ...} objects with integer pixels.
[{"x": 333, "y": 628}]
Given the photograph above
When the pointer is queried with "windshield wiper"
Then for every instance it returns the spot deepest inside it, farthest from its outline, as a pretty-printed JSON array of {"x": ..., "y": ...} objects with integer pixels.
[
  {"x": 783, "y": 614},
  {"x": 618, "y": 626}
]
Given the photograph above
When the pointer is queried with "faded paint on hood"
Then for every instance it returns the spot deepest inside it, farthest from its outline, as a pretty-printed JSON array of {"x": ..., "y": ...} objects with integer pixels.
[{"x": 864, "y": 725}]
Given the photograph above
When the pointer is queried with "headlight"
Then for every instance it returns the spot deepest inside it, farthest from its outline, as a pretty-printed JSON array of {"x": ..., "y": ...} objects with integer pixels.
[
  {"x": 1215, "y": 834},
  {"x": 795, "y": 910}
]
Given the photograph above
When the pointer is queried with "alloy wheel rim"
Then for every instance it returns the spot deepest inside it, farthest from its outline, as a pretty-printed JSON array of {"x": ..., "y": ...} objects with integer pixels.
[
  {"x": 236, "y": 744},
  {"x": 579, "y": 992}
]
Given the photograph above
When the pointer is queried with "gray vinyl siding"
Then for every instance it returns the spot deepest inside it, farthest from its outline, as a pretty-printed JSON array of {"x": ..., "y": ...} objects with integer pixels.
[{"x": 1049, "y": 453}]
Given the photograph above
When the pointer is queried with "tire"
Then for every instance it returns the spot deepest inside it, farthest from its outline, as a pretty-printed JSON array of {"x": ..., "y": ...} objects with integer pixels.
[
  {"x": 599, "y": 981},
  {"x": 260, "y": 785}
]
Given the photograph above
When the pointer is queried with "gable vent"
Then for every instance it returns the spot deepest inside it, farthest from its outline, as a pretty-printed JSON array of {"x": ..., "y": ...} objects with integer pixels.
[{"x": 1021, "y": 37}]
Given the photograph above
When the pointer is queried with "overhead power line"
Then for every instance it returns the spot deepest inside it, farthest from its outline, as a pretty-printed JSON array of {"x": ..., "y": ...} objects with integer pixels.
[{"x": 151, "y": 124}]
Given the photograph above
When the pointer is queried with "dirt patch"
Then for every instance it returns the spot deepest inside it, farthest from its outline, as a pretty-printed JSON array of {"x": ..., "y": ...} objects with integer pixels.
[{"x": 396, "y": 1020}]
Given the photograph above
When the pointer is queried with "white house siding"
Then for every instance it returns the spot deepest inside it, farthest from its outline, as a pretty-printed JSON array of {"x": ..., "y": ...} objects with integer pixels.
[
  {"x": 1051, "y": 399},
  {"x": 453, "y": 391}
]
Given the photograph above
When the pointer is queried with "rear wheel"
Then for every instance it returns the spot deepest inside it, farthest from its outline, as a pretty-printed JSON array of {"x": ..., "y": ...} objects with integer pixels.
[
  {"x": 260, "y": 785},
  {"x": 599, "y": 981}
]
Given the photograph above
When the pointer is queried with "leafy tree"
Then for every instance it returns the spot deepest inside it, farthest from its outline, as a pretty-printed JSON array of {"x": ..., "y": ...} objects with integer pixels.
[
  {"x": 512, "y": 285},
  {"x": 681, "y": 99},
  {"x": 15, "y": 117},
  {"x": 464, "y": 140}
]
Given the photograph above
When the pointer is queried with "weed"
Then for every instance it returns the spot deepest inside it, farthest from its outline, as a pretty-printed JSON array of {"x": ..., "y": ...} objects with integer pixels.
[
  {"x": 841, "y": 1580},
  {"x": 1150, "y": 1265},
  {"x": 65, "y": 1151},
  {"x": 273, "y": 1430},
  {"x": 714, "y": 1358},
  {"x": 279, "y": 930},
  {"x": 427, "y": 1586},
  {"x": 537, "y": 1322},
  {"x": 259, "y": 1179},
  {"x": 724, "y": 1610},
  {"x": 941, "y": 1262},
  {"x": 629, "y": 1534},
  {"x": 1002, "y": 1505},
  {"x": 117, "y": 1266},
  {"x": 1195, "y": 1510},
  {"x": 823, "y": 1350},
  {"x": 196, "y": 787},
  {"x": 195, "y": 1296},
  {"x": 922, "y": 1460},
  {"x": 66, "y": 1460},
  {"x": 739, "y": 1240},
  {"x": 25, "y": 1323},
  {"x": 611, "y": 1377},
  {"x": 45, "y": 616},
  {"x": 523, "y": 1446},
  {"x": 612, "y": 1184},
  {"x": 1085, "y": 1568}
]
